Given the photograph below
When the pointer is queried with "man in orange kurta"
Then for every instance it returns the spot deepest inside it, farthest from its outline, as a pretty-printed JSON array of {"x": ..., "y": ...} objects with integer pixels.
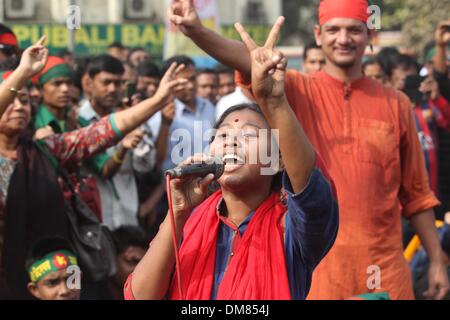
[{"x": 367, "y": 136}]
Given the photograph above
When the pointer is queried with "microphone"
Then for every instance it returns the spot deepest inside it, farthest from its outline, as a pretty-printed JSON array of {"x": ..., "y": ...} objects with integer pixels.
[{"x": 200, "y": 170}]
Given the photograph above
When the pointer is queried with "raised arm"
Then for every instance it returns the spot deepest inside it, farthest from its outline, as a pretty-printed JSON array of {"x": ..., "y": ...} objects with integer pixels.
[
  {"x": 182, "y": 14},
  {"x": 151, "y": 278},
  {"x": 32, "y": 62},
  {"x": 84, "y": 143},
  {"x": 268, "y": 76},
  {"x": 129, "y": 119}
]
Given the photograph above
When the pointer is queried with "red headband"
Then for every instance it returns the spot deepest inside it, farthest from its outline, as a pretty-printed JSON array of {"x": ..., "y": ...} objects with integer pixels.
[
  {"x": 9, "y": 39},
  {"x": 353, "y": 9}
]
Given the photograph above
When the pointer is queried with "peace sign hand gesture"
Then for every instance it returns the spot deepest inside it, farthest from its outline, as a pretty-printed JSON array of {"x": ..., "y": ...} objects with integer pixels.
[
  {"x": 183, "y": 14},
  {"x": 268, "y": 65}
]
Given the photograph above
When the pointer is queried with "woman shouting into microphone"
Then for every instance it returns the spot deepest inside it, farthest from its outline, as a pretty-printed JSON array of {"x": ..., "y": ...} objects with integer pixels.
[{"x": 244, "y": 242}]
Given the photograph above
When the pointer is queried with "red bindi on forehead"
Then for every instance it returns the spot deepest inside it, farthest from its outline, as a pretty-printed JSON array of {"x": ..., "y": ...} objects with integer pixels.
[{"x": 236, "y": 120}]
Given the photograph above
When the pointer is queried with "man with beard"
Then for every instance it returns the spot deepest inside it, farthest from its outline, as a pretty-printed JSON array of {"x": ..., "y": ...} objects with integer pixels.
[{"x": 368, "y": 138}]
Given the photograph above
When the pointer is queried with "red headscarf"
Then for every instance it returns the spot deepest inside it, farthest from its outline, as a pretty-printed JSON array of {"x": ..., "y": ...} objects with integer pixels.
[
  {"x": 257, "y": 271},
  {"x": 353, "y": 9}
]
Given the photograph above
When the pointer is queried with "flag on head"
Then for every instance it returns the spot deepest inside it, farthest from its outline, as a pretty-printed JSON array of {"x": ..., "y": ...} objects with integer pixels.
[{"x": 55, "y": 68}]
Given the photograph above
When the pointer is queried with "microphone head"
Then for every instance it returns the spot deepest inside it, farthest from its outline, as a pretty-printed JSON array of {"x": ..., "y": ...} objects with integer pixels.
[{"x": 213, "y": 165}]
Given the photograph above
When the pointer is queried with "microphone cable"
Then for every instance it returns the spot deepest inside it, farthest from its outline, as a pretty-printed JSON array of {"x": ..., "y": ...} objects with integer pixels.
[{"x": 174, "y": 237}]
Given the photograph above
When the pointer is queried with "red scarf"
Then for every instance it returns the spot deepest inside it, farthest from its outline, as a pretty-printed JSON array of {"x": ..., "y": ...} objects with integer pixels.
[
  {"x": 257, "y": 271},
  {"x": 353, "y": 9}
]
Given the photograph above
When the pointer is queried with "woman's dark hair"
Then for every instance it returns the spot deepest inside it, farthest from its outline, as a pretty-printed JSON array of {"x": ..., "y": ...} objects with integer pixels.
[
  {"x": 243, "y": 106},
  {"x": 277, "y": 181}
]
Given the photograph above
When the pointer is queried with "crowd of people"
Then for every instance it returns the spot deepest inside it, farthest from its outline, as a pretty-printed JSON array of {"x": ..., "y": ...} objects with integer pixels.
[{"x": 360, "y": 204}]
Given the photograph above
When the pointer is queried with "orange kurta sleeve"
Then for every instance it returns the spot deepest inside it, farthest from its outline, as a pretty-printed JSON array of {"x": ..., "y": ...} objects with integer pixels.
[
  {"x": 295, "y": 87},
  {"x": 415, "y": 192}
]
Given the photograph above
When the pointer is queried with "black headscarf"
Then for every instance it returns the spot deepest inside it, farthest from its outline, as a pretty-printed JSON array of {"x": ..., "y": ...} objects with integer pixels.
[{"x": 34, "y": 209}]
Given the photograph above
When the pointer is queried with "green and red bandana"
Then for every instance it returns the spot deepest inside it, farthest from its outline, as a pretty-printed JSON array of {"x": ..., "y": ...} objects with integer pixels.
[
  {"x": 4, "y": 75},
  {"x": 55, "y": 68},
  {"x": 52, "y": 262},
  {"x": 9, "y": 39}
]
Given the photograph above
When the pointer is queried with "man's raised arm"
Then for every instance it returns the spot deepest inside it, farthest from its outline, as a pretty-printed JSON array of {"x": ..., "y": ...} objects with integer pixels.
[{"x": 182, "y": 14}]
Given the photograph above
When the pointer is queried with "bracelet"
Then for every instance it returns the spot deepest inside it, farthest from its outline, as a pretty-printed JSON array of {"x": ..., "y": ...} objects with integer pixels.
[{"x": 116, "y": 159}]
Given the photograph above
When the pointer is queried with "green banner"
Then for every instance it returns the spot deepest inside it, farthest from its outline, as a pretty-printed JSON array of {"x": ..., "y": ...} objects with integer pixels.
[{"x": 94, "y": 39}]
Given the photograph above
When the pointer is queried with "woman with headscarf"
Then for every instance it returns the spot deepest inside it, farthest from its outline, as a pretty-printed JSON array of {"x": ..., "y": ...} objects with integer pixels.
[{"x": 31, "y": 200}]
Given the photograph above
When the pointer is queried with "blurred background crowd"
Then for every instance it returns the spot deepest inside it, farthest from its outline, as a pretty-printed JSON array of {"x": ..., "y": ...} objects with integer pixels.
[{"x": 117, "y": 59}]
